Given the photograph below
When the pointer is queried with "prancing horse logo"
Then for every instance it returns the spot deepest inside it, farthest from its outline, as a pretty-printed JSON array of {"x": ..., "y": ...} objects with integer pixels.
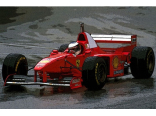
[{"x": 78, "y": 62}]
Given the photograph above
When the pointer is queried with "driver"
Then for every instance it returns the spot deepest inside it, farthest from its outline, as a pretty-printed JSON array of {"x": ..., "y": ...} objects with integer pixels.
[{"x": 74, "y": 48}]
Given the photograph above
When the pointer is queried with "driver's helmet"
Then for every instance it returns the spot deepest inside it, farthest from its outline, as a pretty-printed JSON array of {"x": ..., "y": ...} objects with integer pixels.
[{"x": 73, "y": 47}]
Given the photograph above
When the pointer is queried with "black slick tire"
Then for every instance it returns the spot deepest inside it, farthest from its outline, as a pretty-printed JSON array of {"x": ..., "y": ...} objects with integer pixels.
[
  {"x": 14, "y": 63},
  {"x": 142, "y": 62},
  {"x": 94, "y": 73},
  {"x": 63, "y": 47}
]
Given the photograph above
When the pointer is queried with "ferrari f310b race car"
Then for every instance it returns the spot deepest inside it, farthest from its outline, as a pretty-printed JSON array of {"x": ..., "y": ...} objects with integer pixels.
[{"x": 89, "y": 61}]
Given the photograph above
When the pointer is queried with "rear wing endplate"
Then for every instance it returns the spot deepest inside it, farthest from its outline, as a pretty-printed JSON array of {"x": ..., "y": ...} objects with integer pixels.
[{"x": 100, "y": 38}]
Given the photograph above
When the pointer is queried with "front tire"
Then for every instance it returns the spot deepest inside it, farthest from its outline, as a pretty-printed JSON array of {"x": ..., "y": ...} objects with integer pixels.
[
  {"x": 14, "y": 63},
  {"x": 94, "y": 73},
  {"x": 142, "y": 62}
]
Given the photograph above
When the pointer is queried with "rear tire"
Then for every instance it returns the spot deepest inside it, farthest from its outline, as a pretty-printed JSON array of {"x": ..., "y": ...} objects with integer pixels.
[
  {"x": 94, "y": 73},
  {"x": 142, "y": 62},
  {"x": 63, "y": 47},
  {"x": 14, "y": 63}
]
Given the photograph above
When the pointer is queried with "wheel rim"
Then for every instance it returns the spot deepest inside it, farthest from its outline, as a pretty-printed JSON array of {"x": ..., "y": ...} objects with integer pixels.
[
  {"x": 151, "y": 63},
  {"x": 101, "y": 73}
]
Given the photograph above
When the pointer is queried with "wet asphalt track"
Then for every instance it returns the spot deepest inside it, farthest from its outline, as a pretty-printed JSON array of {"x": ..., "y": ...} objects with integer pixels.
[{"x": 34, "y": 32}]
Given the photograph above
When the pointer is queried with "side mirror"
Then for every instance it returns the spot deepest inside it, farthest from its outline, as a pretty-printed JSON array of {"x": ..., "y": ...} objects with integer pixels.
[{"x": 55, "y": 51}]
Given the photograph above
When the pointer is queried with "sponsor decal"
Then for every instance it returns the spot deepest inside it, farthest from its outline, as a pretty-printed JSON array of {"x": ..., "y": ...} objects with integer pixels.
[
  {"x": 78, "y": 62},
  {"x": 87, "y": 46},
  {"x": 134, "y": 40},
  {"x": 77, "y": 85},
  {"x": 118, "y": 72},
  {"x": 22, "y": 58},
  {"x": 75, "y": 81},
  {"x": 115, "y": 62},
  {"x": 40, "y": 65},
  {"x": 121, "y": 62},
  {"x": 46, "y": 60},
  {"x": 96, "y": 78},
  {"x": 43, "y": 62}
]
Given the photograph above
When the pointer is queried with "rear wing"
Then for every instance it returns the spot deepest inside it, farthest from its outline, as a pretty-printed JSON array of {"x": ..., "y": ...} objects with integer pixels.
[{"x": 127, "y": 39}]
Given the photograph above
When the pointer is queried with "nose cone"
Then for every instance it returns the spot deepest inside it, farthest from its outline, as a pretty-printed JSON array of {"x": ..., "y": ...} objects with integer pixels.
[
  {"x": 43, "y": 63},
  {"x": 50, "y": 61}
]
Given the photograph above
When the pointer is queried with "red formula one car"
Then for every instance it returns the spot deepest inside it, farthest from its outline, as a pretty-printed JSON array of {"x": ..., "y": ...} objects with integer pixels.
[{"x": 88, "y": 61}]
